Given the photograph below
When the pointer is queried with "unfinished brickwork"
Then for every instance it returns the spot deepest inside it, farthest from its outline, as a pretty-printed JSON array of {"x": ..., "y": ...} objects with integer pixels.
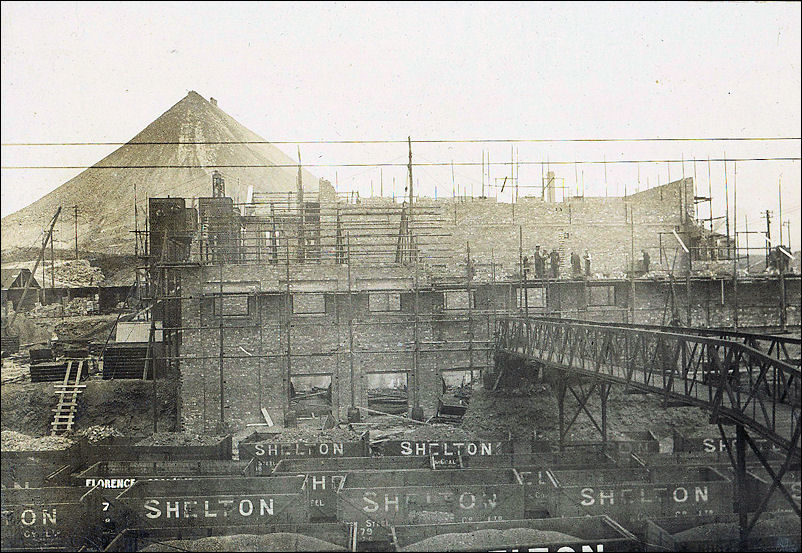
[
  {"x": 269, "y": 331},
  {"x": 254, "y": 364}
]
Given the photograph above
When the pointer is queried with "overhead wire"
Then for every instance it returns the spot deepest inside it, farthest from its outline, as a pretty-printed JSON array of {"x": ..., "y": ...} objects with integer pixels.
[
  {"x": 417, "y": 141},
  {"x": 390, "y": 164}
]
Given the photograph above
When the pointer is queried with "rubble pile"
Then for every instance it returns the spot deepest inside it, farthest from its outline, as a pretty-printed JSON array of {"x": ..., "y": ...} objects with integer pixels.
[
  {"x": 15, "y": 369},
  {"x": 518, "y": 413},
  {"x": 76, "y": 273},
  {"x": 76, "y": 307},
  {"x": 49, "y": 310},
  {"x": 438, "y": 432},
  {"x": 98, "y": 433},
  {"x": 15, "y": 441},
  {"x": 314, "y": 435},
  {"x": 86, "y": 328},
  {"x": 178, "y": 439}
]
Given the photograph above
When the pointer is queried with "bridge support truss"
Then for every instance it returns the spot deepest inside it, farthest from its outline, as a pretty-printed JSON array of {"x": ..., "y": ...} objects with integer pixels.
[{"x": 738, "y": 382}]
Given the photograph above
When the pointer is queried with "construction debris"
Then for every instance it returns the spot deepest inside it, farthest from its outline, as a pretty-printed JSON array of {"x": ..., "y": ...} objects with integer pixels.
[
  {"x": 178, "y": 438},
  {"x": 15, "y": 441},
  {"x": 98, "y": 433}
]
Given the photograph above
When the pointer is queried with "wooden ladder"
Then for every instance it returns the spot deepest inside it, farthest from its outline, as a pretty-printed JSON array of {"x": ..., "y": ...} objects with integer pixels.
[{"x": 64, "y": 412}]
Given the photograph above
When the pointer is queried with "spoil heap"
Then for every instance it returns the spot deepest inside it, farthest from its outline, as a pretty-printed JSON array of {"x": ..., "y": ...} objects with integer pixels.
[{"x": 191, "y": 135}]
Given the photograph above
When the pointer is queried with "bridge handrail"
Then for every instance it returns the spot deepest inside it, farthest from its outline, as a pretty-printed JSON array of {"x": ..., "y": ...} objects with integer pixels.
[
  {"x": 787, "y": 368},
  {"x": 608, "y": 362},
  {"x": 690, "y": 329}
]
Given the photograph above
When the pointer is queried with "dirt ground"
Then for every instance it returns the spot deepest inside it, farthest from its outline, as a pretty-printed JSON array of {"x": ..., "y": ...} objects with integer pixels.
[
  {"x": 121, "y": 404},
  {"x": 38, "y": 330},
  {"x": 532, "y": 411}
]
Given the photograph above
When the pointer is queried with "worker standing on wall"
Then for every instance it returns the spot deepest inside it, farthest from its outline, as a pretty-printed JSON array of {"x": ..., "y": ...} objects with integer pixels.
[
  {"x": 576, "y": 265},
  {"x": 555, "y": 264},
  {"x": 543, "y": 257},
  {"x": 539, "y": 264},
  {"x": 587, "y": 263},
  {"x": 646, "y": 261}
]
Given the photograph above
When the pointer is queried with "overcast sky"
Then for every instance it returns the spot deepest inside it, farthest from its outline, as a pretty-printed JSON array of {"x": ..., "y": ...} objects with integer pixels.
[{"x": 293, "y": 71}]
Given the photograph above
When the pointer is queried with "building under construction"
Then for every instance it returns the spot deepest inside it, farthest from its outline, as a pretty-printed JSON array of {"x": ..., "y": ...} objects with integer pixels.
[
  {"x": 366, "y": 303},
  {"x": 327, "y": 371}
]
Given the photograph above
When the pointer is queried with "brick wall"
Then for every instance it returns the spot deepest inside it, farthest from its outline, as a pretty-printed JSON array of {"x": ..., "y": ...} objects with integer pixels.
[
  {"x": 609, "y": 228},
  {"x": 255, "y": 363},
  {"x": 254, "y": 346}
]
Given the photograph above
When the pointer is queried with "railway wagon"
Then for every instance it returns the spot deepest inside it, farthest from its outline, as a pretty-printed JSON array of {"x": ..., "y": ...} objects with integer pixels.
[
  {"x": 127, "y": 449},
  {"x": 35, "y": 469},
  {"x": 463, "y": 448},
  {"x": 376, "y": 501},
  {"x": 57, "y": 518},
  {"x": 634, "y": 442},
  {"x": 586, "y": 534},
  {"x": 758, "y": 482},
  {"x": 324, "y": 475},
  {"x": 267, "y": 454},
  {"x": 123, "y": 474},
  {"x": 711, "y": 459},
  {"x": 587, "y": 458},
  {"x": 665, "y": 492},
  {"x": 710, "y": 446},
  {"x": 773, "y": 532},
  {"x": 34, "y": 475},
  {"x": 225, "y": 501},
  {"x": 538, "y": 485}
]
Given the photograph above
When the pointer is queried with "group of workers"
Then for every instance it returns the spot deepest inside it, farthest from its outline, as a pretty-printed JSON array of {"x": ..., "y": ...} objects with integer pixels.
[
  {"x": 544, "y": 260},
  {"x": 541, "y": 260}
]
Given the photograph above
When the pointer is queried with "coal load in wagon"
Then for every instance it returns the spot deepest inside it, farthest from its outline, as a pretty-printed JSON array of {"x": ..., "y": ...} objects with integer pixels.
[
  {"x": 597, "y": 533},
  {"x": 772, "y": 532}
]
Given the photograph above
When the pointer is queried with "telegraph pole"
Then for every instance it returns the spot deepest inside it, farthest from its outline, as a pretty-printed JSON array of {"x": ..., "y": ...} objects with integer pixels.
[
  {"x": 409, "y": 166},
  {"x": 780, "y": 211},
  {"x": 787, "y": 224},
  {"x": 768, "y": 236},
  {"x": 727, "y": 207},
  {"x": 75, "y": 208}
]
